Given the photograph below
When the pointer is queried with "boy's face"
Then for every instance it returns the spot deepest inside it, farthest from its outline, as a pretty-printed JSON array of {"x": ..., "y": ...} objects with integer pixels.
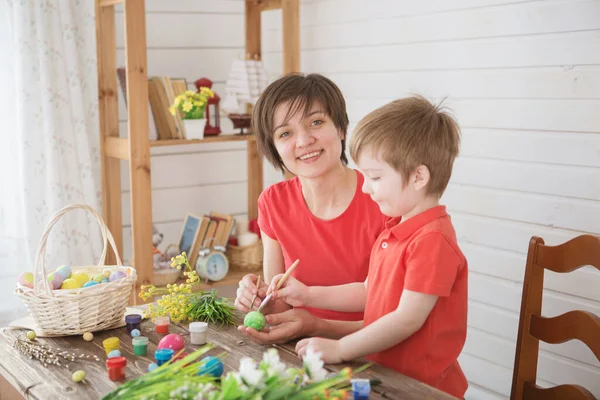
[
  {"x": 309, "y": 145},
  {"x": 388, "y": 188}
]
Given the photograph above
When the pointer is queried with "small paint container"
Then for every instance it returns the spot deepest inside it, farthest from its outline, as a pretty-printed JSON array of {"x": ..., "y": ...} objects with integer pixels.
[
  {"x": 198, "y": 332},
  {"x": 361, "y": 389},
  {"x": 163, "y": 355},
  {"x": 162, "y": 324},
  {"x": 116, "y": 368},
  {"x": 140, "y": 345},
  {"x": 110, "y": 344},
  {"x": 133, "y": 321}
]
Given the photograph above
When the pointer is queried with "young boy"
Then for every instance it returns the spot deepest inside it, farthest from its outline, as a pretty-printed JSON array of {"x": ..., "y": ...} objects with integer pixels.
[{"x": 415, "y": 296}]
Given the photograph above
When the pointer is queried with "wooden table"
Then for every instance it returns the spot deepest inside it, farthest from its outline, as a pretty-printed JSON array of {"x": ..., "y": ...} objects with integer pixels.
[{"x": 22, "y": 377}]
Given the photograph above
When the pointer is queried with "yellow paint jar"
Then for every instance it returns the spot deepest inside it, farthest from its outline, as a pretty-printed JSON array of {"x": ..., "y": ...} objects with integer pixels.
[{"x": 110, "y": 344}]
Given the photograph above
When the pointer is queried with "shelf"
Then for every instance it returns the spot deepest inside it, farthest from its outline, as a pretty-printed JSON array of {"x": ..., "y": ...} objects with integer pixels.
[{"x": 207, "y": 139}]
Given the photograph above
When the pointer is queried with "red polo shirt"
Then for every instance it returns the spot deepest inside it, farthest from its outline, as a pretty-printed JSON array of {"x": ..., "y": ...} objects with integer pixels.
[{"x": 422, "y": 255}]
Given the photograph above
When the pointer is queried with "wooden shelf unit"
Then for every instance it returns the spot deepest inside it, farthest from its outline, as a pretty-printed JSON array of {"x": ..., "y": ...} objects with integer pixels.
[{"x": 136, "y": 147}]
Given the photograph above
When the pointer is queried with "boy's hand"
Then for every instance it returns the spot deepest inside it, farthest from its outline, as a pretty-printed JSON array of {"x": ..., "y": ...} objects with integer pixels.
[
  {"x": 293, "y": 292},
  {"x": 329, "y": 349},
  {"x": 245, "y": 293}
]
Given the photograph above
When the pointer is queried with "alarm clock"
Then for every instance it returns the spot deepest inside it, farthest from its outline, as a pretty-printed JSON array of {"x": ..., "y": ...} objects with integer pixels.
[{"x": 212, "y": 264}]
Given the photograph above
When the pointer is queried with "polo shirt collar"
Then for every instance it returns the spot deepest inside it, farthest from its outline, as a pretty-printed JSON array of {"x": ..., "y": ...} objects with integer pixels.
[{"x": 406, "y": 229}]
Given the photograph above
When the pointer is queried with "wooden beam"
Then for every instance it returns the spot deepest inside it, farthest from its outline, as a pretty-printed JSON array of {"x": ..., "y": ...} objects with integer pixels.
[
  {"x": 253, "y": 30},
  {"x": 255, "y": 177},
  {"x": 139, "y": 142},
  {"x": 266, "y": 5},
  {"x": 117, "y": 147},
  {"x": 291, "y": 36},
  {"x": 107, "y": 3},
  {"x": 110, "y": 168}
]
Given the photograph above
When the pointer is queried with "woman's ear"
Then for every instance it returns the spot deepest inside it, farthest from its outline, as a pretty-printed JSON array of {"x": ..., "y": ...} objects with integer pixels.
[
  {"x": 421, "y": 177},
  {"x": 342, "y": 135}
]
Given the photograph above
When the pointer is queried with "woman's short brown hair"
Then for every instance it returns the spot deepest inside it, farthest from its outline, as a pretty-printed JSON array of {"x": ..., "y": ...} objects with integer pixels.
[
  {"x": 407, "y": 133},
  {"x": 301, "y": 91}
]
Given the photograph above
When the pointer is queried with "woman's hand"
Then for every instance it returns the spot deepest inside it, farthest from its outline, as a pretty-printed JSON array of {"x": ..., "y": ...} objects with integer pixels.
[
  {"x": 246, "y": 290},
  {"x": 284, "y": 327},
  {"x": 329, "y": 349},
  {"x": 293, "y": 292}
]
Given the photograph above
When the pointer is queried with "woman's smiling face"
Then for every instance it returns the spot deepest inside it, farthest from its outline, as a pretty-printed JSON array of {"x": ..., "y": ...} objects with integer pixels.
[{"x": 309, "y": 145}]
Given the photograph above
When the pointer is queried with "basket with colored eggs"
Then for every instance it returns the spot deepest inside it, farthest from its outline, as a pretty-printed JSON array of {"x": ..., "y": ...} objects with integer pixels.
[{"x": 75, "y": 300}]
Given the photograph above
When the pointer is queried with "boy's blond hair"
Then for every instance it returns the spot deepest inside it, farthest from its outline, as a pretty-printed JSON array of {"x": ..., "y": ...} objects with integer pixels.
[{"x": 407, "y": 133}]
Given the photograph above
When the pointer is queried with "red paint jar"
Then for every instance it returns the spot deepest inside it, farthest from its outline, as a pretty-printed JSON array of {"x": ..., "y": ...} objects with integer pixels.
[
  {"x": 162, "y": 324},
  {"x": 116, "y": 368}
]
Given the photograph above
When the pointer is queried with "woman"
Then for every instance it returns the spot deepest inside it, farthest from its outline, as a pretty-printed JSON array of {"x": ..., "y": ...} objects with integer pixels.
[{"x": 321, "y": 216}]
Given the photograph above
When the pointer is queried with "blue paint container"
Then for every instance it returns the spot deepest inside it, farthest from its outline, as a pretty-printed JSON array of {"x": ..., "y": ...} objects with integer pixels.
[{"x": 361, "y": 389}]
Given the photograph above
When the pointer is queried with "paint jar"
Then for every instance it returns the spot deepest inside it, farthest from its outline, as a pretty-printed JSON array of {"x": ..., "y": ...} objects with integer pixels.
[
  {"x": 198, "y": 332},
  {"x": 133, "y": 321},
  {"x": 162, "y": 324},
  {"x": 361, "y": 389},
  {"x": 163, "y": 355},
  {"x": 116, "y": 368},
  {"x": 140, "y": 345},
  {"x": 110, "y": 344}
]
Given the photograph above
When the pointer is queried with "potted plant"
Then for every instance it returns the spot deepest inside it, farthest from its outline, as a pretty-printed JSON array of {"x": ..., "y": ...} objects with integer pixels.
[{"x": 192, "y": 105}]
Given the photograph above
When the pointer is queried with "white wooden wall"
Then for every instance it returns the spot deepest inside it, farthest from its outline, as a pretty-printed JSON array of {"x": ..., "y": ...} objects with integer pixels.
[{"x": 523, "y": 79}]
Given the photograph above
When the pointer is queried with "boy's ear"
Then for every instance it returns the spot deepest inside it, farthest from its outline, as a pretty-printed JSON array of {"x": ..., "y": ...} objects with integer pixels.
[{"x": 421, "y": 177}]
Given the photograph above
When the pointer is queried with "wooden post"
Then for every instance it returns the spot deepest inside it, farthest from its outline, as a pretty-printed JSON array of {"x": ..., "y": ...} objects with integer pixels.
[
  {"x": 139, "y": 142},
  {"x": 110, "y": 168},
  {"x": 291, "y": 36}
]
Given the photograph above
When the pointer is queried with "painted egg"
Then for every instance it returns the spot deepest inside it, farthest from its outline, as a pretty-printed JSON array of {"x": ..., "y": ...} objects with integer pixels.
[
  {"x": 70, "y": 284},
  {"x": 78, "y": 376},
  {"x": 152, "y": 367},
  {"x": 98, "y": 278},
  {"x": 211, "y": 366},
  {"x": 55, "y": 280},
  {"x": 115, "y": 276},
  {"x": 255, "y": 320},
  {"x": 80, "y": 277},
  {"x": 25, "y": 279},
  {"x": 171, "y": 341},
  {"x": 64, "y": 271},
  {"x": 106, "y": 273},
  {"x": 88, "y": 336},
  {"x": 90, "y": 283},
  {"x": 31, "y": 335},
  {"x": 114, "y": 353}
]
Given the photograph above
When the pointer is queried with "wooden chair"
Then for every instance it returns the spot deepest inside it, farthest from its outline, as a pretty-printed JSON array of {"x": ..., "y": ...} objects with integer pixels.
[{"x": 567, "y": 257}]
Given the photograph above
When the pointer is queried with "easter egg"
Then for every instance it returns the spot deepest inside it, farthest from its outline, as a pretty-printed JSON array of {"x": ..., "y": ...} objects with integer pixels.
[
  {"x": 70, "y": 284},
  {"x": 88, "y": 336},
  {"x": 255, "y": 320},
  {"x": 64, "y": 271},
  {"x": 171, "y": 341},
  {"x": 98, "y": 278},
  {"x": 114, "y": 353},
  {"x": 104, "y": 280},
  {"x": 25, "y": 279},
  {"x": 211, "y": 366},
  {"x": 78, "y": 376},
  {"x": 31, "y": 335},
  {"x": 135, "y": 332},
  {"x": 152, "y": 367},
  {"x": 106, "y": 273},
  {"x": 80, "y": 277},
  {"x": 115, "y": 276},
  {"x": 55, "y": 280},
  {"x": 90, "y": 283}
]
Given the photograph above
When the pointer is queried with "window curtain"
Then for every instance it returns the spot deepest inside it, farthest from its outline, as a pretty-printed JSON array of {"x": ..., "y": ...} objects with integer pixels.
[{"x": 50, "y": 137}]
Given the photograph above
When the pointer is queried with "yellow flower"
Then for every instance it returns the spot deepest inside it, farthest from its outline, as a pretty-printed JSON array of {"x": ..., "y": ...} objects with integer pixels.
[
  {"x": 187, "y": 106},
  {"x": 173, "y": 110}
]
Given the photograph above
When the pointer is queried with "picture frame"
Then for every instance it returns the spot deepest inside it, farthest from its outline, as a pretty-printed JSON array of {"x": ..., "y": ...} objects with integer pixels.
[{"x": 189, "y": 233}]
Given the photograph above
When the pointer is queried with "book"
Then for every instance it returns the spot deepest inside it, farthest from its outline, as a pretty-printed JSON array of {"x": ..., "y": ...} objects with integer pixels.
[{"x": 122, "y": 76}]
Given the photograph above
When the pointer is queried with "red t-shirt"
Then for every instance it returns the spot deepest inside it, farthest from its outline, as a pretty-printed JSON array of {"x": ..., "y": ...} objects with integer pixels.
[
  {"x": 331, "y": 253},
  {"x": 422, "y": 255}
]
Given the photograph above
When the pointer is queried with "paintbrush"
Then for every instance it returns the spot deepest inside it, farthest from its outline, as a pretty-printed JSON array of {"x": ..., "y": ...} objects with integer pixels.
[
  {"x": 281, "y": 281},
  {"x": 254, "y": 297}
]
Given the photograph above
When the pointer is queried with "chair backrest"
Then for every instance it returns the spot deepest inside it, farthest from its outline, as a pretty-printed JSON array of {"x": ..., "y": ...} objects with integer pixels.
[{"x": 567, "y": 257}]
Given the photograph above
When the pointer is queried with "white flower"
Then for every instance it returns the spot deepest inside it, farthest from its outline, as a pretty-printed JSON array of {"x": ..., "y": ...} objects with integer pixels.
[
  {"x": 314, "y": 365},
  {"x": 271, "y": 360},
  {"x": 249, "y": 373}
]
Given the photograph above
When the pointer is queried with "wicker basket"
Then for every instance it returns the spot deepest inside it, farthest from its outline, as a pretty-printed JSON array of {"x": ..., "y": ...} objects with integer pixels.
[
  {"x": 247, "y": 258},
  {"x": 76, "y": 311}
]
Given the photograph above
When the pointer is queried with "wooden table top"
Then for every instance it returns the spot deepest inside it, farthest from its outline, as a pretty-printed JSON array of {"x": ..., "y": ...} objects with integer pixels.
[{"x": 33, "y": 380}]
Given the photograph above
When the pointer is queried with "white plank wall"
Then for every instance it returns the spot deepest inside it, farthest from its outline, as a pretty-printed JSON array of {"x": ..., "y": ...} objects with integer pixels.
[{"x": 523, "y": 79}]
